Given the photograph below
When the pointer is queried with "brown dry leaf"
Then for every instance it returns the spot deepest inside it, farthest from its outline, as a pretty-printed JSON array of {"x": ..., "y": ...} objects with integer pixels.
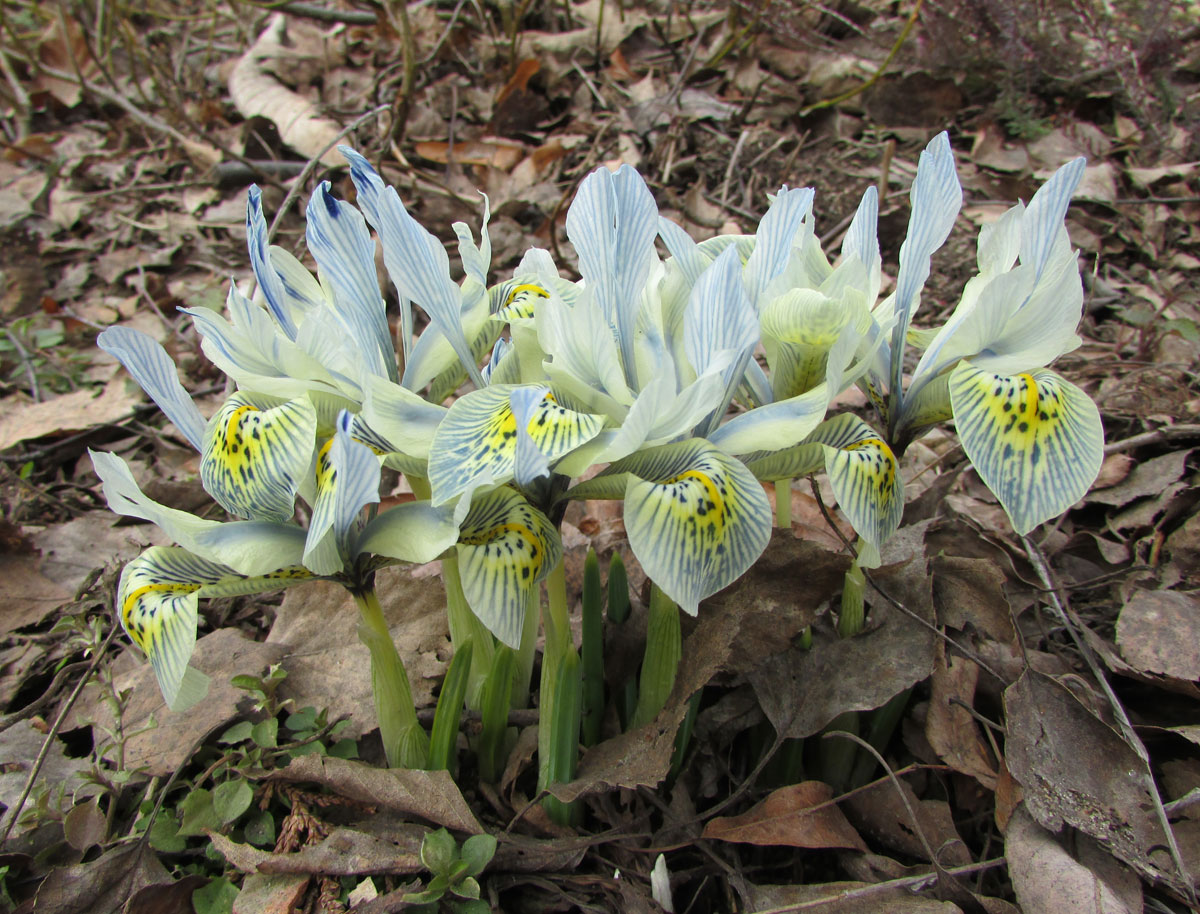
[
  {"x": 317, "y": 624},
  {"x": 72, "y": 551},
  {"x": 221, "y": 655},
  {"x": 66, "y": 51},
  {"x": 1048, "y": 880},
  {"x": 1147, "y": 478},
  {"x": 432, "y": 795},
  {"x": 79, "y": 409},
  {"x": 848, "y": 898},
  {"x": 880, "y": 812},
  {"x": 522, "y": 854},
  {"x": 1075, "y": 769},
  {"x": 19, "y": 746},
  {"x": 970, "y": 592},
  {"x": 256, "y": 93},
  {"x": 801, "y": 691},
  {"x": 344, "y": 852},
  {"x": 29, "y": 596},
  {"x": 1158, "y": 631},
  {"x": 490, "y": 151},
  {"x": 949, "y": 727},
  {"x": 270, "y": 894},
  {"x": 104, "y": 885},
  {"x": 786, "y": 817},
  {"x": 167, "y": 897}
]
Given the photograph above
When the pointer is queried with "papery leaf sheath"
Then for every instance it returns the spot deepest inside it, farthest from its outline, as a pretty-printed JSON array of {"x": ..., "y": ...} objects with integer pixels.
[
  {"x": 476, "y": 444},
  {"x": 157, "y": 603},
  {"x": 1035, "y": 439},
  {"x": 505, "y": 548},
  {"x": 696, "y": 518},
  {"x": 257, "y": 454}
]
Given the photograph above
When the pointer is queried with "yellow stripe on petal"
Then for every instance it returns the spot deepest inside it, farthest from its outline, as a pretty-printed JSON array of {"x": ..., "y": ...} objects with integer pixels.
[
  {"x": 519, "y": 301},
  {"x": 1036, "y": 440},
  {"x": 505, "y": 548},
  {"x": 697, "y": 522},
  {"x": 477, "y": 441},
  {"x": 157, "y": 600},
  {"x": 256, "y": 455}
]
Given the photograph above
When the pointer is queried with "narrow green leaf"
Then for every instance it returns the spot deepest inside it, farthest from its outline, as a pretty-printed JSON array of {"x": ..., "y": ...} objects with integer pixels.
[
  {"x": 497, "y": 689},
  {"x": 592, "y": 650},
  {"x": 444, "y": 736}
]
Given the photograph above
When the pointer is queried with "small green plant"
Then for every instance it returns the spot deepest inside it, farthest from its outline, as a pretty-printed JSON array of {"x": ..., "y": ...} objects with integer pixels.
[{"x": 453, "y": 870}]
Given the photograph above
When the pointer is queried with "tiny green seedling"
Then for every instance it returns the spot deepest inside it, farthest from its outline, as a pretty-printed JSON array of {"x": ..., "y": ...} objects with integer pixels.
[{"x": 454, "y": 871}]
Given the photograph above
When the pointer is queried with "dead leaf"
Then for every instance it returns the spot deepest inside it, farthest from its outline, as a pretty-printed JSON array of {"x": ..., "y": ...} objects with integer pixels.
[
  {"x": 1048, "y": 880},
  {"x": 969, "y": 592},
  {"x": 1076, "y": 770},
  {"x": 72, "y": 551},
  {"x": 949, "y": 727},
  {"x": 344, "y": 852},
  {"x": 60, "y": 775},
  {"x": 316, "y": 627},
  {"x": 79, "y": 409},
  {"x": 802, "y": 690},
  {"x": 66, "y": 51},
  {"x": 848, "y": 898},
  {"x": 496, "y": 153},
  {"x": 1148, "y": 477},
  {"x": 1158, "y": 631},
  {"x": 880, "y": 812},
  {"x": 29, "y": 596},
  {"x": 432, "y": 795},
  {"x": 786, "y": 817},
  {"x": 104, "y": 885},
  {"x": 221, "y": 655},
  {"x": 256, "y": 93},
  {"x": 167, "y": 897},
  {"x": 270, "y": 894}
]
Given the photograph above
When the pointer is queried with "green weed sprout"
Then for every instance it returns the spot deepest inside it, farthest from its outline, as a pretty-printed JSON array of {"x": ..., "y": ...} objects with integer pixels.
[{"x": 453, "y": 870}]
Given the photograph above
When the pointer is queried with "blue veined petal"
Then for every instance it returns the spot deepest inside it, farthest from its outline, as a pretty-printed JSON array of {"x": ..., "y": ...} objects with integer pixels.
[
  {"x": 689, "y": 258},
  {"x": 864, "y": 475},
  {"x": 774, "y": 426},
  {"x": 696, "y": 518},
  {"x": 157, "y": 604},
  {"x": 720, "y": 320},
  {"x": 501, "y": 348},
  {"x": 260, "y": 260},
  {"x": 799, "y": 328},
  {"x": 862, "y": 241},
  {"x": 402, "y": 418},
  {"x": 256, "y": 455},
  {"x": 415, "y": 260},
  {"x": 153, "y": 369},
  {"x": 1042, "y": 226},
  {"x": 1035, "y": 439},
  {"x": 249, "y": 547},
  {"x": 338, "y": 238},
  {"x": 936, "y": 197},
  {"x": 516, "y": 299},
  {"x": 583, "y": 351},
  {"x": 612, "y": 223},
  {"x": 476, "y": 444},
  {"x": 529, "y": 463},
  {"x": 347, "y": 480},
  {"x": 774, "y": 240},
  {"x": 415, "y": 532},
  {"x": 506, "y": 547},
  {"x": 476, "y": 261}
]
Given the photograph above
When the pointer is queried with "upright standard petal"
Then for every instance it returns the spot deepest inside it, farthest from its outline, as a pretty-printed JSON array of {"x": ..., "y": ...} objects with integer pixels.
[
  {"x": 347, "y": 480},
  {"x": 505, "y": 548},
  {"x": 256, "y": 455},
  {"x": 260, "y": 260},
  {"x": 774, "y": 240},
  {"x": 415, "y": 259},
  {"x": 612, "y": 223},
  {"x": 1036, "y": 440},
  {"x": 338, "y": 238},
  {"x": 1043, "y": 226},
  {"x": 153, "y": 369}
]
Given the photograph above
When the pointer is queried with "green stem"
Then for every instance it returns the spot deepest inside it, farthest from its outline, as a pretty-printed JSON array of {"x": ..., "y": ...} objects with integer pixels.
[
  {"x": 497, "y": 691},
  {"x": 526, "y": 653},
  {"x": 556, "y": 623},
  {"x": 661, "y": 661},
  {"x": 404, "y": 740},
  {"x": 593, "y": 651},
  {"x": 783, "y": 504},
  {"x": 465, "y": 626},
  {"x": 853, "y": 614},
  {"x": 443, "y": 740}
]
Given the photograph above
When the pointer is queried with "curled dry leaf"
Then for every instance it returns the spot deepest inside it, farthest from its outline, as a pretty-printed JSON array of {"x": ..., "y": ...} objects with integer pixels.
[
  {"x": 104, "y": 885},
  {"x": 880, "y": 812},
  {"x": 848, "y": 898},
  {"x": 787, "y": 817},
  {"x": 432, "y": 795},
  {"x": 258, "y": 94},
  {"x": 1077, "y": 770},
  {"x": 1158, "y": 631},
  {"x": 949, "y": 726},
  {"x": 1047, "y": 879},
  {"x": 79, "y": 409},
  {"x": 270, "y": 894},
  {"x": 344, "y": 852}
]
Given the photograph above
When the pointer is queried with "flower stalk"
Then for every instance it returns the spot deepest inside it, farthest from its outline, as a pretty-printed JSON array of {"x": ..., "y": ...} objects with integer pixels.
[{"x": 664, "y": 646}]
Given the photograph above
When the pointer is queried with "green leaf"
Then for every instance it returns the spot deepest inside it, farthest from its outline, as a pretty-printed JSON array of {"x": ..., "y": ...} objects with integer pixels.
[
  {"x": 239, "y": 732},
  {"x": 260, "y": 829},
  {"x": 1036, "y": 440},
  {"x": 478, "y": 851},
  {"x": 198, "y": 813},
  {"x": 344, "y": 748},
  {"x": 471, "y": 906},
  {"x": 247, "y": 683},
  {"x": 443, "y": 740},
  {"x": 304, "y": 719},
  {"x": 266, "y": 733},
  {"x": 438, "y": 852},
  {"x": 696, "y": 518},
  {"x": 165, "y": 837},
  {"x": 215, "y": 898},
  {"x": 506, "y": 548},
  {"x": 467, "y": 887},
  {"x": 231, "y": 799}
]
